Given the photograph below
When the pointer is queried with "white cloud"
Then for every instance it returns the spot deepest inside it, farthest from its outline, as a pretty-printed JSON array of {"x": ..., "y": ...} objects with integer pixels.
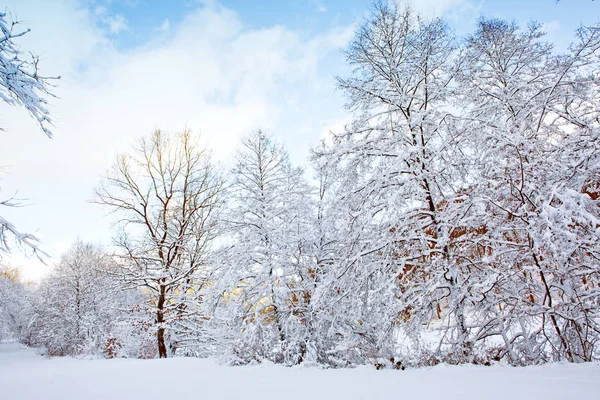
[
  {"x": 117, "y": 24},
  {"x": 100, "y": 10},
  {"x": 210, "y": 73}
]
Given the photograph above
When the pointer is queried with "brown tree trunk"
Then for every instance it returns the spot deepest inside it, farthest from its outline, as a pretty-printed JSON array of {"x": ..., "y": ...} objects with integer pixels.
[{"x": 160, "y": 319}]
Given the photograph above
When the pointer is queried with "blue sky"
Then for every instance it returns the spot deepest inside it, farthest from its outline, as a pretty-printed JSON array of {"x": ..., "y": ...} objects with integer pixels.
[
  {"x": 309, "y": 17},
  {"x": 221, "y": 68},
  {"x": 306, "y": 16}
]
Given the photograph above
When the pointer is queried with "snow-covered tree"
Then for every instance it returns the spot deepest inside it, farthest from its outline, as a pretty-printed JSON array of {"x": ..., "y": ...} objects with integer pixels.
[
  {"x": 402, "y": 184},
  {"x": 74, "y": 304},
  {"x": 80, "y": 308},
  {"x": 466, "y": 195},
  {"x": 533, "y": 117},
  {"x": 15, "y": 305},
  {"x": 166, "y": 192},
  {"x": 262, "y": 280}
]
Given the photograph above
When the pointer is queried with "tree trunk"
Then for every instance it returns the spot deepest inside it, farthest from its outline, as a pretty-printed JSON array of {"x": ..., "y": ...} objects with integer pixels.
[{"x": 160, "y": 319}]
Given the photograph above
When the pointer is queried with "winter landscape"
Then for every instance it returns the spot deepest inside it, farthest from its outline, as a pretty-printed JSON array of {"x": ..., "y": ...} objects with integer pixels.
[{"x": 308, "y": 199}]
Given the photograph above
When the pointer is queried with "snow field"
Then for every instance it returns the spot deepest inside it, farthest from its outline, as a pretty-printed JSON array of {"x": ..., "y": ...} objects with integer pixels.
[{"x": 26, "y": 375}]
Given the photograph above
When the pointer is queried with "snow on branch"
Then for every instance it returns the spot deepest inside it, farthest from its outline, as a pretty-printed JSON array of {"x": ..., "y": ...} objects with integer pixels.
[{"x": 20, "y": 84}]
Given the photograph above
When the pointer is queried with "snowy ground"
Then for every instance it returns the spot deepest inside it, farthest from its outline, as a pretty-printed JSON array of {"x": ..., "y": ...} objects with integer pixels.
[{"x": 26, "y": 375}]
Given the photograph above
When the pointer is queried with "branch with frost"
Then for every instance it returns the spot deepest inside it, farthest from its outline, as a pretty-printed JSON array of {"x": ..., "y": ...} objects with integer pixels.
[
  {"x": 26, "y": 239},
  {"x": 21, "y": 86},
  {"x": 21, "y": 238},
  {"x": 20, "y": 83}
]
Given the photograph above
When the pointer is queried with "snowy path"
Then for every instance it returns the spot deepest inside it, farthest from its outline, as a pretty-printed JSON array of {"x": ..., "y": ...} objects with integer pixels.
[{"x": 25, "y": 375}]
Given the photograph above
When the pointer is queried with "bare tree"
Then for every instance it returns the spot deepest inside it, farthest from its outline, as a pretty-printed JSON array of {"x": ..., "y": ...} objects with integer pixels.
[{"x": 166, "y": 192}]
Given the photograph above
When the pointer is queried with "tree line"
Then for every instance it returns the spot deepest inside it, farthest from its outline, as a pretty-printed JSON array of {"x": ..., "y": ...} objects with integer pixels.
[{"x": 454, "y": 219}]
